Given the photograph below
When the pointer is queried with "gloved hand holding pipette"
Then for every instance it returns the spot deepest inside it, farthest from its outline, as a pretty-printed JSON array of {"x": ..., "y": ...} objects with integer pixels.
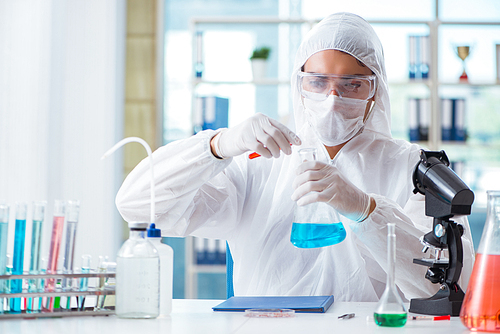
[
  {"x": 258, "y": 133},
  {"x": 317, "y": 181}
]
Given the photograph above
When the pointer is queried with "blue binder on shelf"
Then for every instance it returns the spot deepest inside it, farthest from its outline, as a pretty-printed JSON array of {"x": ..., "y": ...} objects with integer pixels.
[
  {"x": 459, "y": 132},
  {"x": 446, "y": 119},
  {"x": 210, "y": 112},
  {"x": 419, "y": 55},
  {"x": 304, "y": 304},
  {"x": 413, "y": 119},
  {"x": 424, "y": 115}
]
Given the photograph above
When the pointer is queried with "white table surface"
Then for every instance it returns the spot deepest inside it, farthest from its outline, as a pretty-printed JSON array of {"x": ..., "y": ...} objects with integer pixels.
[{"x": 196, "y": 316}]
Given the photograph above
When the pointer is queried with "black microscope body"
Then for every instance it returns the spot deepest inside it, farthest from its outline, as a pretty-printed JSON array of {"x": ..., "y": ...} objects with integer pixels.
[{"x": 446, "y": 195}]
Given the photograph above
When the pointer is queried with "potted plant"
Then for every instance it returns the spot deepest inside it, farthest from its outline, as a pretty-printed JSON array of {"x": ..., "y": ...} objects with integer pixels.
[{"x": 259, "y": 62}]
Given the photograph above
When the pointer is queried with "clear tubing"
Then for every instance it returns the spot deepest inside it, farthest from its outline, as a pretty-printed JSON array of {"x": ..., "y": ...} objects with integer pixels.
[
  {"x": 84, "y": 281},
  {"x": 4, "y": 229},
  {"x": 55, "y": 245},
  {"x": 18, "y": 261},
  {"x": 36, "y": 241},
  {"x": 72, "y": 213},
  {"x": 151, "y": 167}
]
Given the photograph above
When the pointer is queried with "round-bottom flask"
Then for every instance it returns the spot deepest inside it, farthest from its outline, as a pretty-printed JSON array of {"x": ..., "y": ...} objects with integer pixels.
[
  {"x": 390, "y": 311},
  {"x": 481, "y": 307},
  {"x": 137, "y": 276},
  {"x": 316, "y": 224}
]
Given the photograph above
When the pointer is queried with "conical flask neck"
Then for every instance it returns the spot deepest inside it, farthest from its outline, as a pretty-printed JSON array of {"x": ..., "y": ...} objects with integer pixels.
[
  {"x": 490, "y": 239},
  {"x": 494, "y": 205}
]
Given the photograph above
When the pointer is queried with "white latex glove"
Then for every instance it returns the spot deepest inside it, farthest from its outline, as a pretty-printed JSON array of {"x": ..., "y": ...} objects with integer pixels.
[
  {"x": 258, "y": 133},
  {"x": 317, "y": 181}
]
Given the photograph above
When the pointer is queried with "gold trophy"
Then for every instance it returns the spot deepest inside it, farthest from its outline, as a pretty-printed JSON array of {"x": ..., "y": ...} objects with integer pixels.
[{"x": 463, "y": 52}]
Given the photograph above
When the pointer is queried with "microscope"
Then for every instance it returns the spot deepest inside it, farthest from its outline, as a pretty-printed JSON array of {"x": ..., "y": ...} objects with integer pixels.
[{"x": 446, "y": 195}]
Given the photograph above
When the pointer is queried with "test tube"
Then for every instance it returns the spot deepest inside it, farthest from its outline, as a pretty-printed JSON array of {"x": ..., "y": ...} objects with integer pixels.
[
  {"x": 8, "y": 283},
  {"x": 4, "y": 226},
  {"x": 110, "y": 284},
  {"x": 36, "y": 241},
  {"x": 84, "y": 281},
  {"x": 101, "y": 268},
  {"x": 55, "y": 244},
  {"x": 72, "y": 212},
  {"x": 4, "y": 229},
  {"x": 18, "y": 264},
  {"x": 43, "y": 270}
]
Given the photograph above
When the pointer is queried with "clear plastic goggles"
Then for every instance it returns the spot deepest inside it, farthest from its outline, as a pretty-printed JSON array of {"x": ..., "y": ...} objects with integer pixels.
[{"x": 318, "y": 87}]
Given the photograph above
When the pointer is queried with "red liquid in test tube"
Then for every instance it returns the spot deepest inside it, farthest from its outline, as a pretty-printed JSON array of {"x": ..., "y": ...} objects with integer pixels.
[
  {"x": 256, "y": 155},
  {"x": 55, "y": 245}
]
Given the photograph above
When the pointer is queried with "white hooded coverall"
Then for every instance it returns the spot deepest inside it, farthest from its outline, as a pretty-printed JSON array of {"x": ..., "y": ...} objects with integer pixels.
[{"x": 247, "y": 202}]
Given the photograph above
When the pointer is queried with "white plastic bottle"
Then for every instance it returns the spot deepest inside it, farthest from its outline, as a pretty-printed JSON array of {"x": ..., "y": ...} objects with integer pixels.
[
  {"x": 166, "y": 254},
  {"x": 137, "y": 276}
]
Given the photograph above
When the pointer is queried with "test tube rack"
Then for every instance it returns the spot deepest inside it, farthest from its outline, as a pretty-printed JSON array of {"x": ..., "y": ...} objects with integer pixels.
[{"x": 59, "y": 292}]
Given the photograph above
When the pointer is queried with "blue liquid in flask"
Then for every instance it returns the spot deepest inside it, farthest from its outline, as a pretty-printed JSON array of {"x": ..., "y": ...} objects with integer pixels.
[{"x": 311, "y": 235}]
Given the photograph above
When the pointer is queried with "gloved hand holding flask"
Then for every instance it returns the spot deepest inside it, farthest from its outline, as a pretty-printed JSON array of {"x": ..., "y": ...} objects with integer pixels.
[
  {"x": 258, "y": 133},
  {"x": 317, "y": 181},
  {"x": 315, "y": 224}
]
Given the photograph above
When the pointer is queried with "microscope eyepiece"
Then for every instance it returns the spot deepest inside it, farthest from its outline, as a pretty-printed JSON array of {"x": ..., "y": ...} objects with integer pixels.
[{"x": 446, "y": 194}]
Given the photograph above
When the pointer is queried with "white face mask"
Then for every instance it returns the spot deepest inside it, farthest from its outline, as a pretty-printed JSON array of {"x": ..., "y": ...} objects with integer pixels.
[{"x": 336, "y": 120}]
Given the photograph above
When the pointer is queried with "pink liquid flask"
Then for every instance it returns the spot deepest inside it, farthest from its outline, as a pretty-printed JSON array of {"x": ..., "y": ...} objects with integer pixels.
[{"x": 481, "y": 307}]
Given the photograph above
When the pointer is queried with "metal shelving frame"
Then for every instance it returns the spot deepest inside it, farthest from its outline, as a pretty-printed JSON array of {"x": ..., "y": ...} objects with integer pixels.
[{"x": 432, "y": 83}]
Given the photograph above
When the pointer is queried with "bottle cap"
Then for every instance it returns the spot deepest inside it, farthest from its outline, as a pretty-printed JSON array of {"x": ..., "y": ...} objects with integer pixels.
[
  {"x": 138, "y": 225},
  {"x": 154, "y": 232}
]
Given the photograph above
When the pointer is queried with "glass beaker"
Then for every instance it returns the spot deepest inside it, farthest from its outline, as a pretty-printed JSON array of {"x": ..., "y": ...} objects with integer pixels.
[
  {"x": 390, "y": 311},
  {"x": 481, "y": 307},
  {"x": 316, "y": 224}
]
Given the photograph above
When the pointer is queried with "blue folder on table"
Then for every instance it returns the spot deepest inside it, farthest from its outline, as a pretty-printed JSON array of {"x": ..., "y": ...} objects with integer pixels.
[{"x": 306, "y": 304}]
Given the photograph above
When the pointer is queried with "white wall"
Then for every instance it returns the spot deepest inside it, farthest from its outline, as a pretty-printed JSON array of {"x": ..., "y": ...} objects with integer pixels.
[{"x": 61, "y": 107}]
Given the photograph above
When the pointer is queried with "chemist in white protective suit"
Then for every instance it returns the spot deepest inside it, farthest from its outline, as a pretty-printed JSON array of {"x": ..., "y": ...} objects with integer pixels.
[{"x": 207, "y": 186}]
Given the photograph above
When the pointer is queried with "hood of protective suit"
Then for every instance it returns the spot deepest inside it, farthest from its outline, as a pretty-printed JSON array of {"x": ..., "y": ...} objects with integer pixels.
[{"x": 353, "y": 35}]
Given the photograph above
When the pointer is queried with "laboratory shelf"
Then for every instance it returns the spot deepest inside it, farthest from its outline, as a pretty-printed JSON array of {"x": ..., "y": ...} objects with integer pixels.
[
  {"x": 267, "y": 81},
  {"x": 209, "y": 268},
  {"x": 471, "y": 84},
  {"x": 192, "y": 269},
  {"x": 432, "y": 88}
]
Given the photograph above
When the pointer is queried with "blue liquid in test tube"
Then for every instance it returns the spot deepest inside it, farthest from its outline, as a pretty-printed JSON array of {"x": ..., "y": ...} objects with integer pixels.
[
  {"x": 19, "y": 235},
  {"x": 4, "y": 227},
  {"x": 36, "y": 241}
]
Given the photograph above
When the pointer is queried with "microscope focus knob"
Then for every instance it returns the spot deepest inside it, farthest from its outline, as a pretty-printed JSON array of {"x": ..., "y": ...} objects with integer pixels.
[{"x": 439, "y": 231}]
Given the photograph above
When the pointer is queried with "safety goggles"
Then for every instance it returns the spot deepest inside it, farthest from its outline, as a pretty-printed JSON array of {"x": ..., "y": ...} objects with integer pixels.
[{"x": 318, "y": 87}]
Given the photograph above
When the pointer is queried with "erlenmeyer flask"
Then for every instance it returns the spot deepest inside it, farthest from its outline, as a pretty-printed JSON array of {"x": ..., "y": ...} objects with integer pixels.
[
  {"x": 481, "y": 307},
  {"x": 390, "y": 311},
  {"x": 316, "y": 224}
]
